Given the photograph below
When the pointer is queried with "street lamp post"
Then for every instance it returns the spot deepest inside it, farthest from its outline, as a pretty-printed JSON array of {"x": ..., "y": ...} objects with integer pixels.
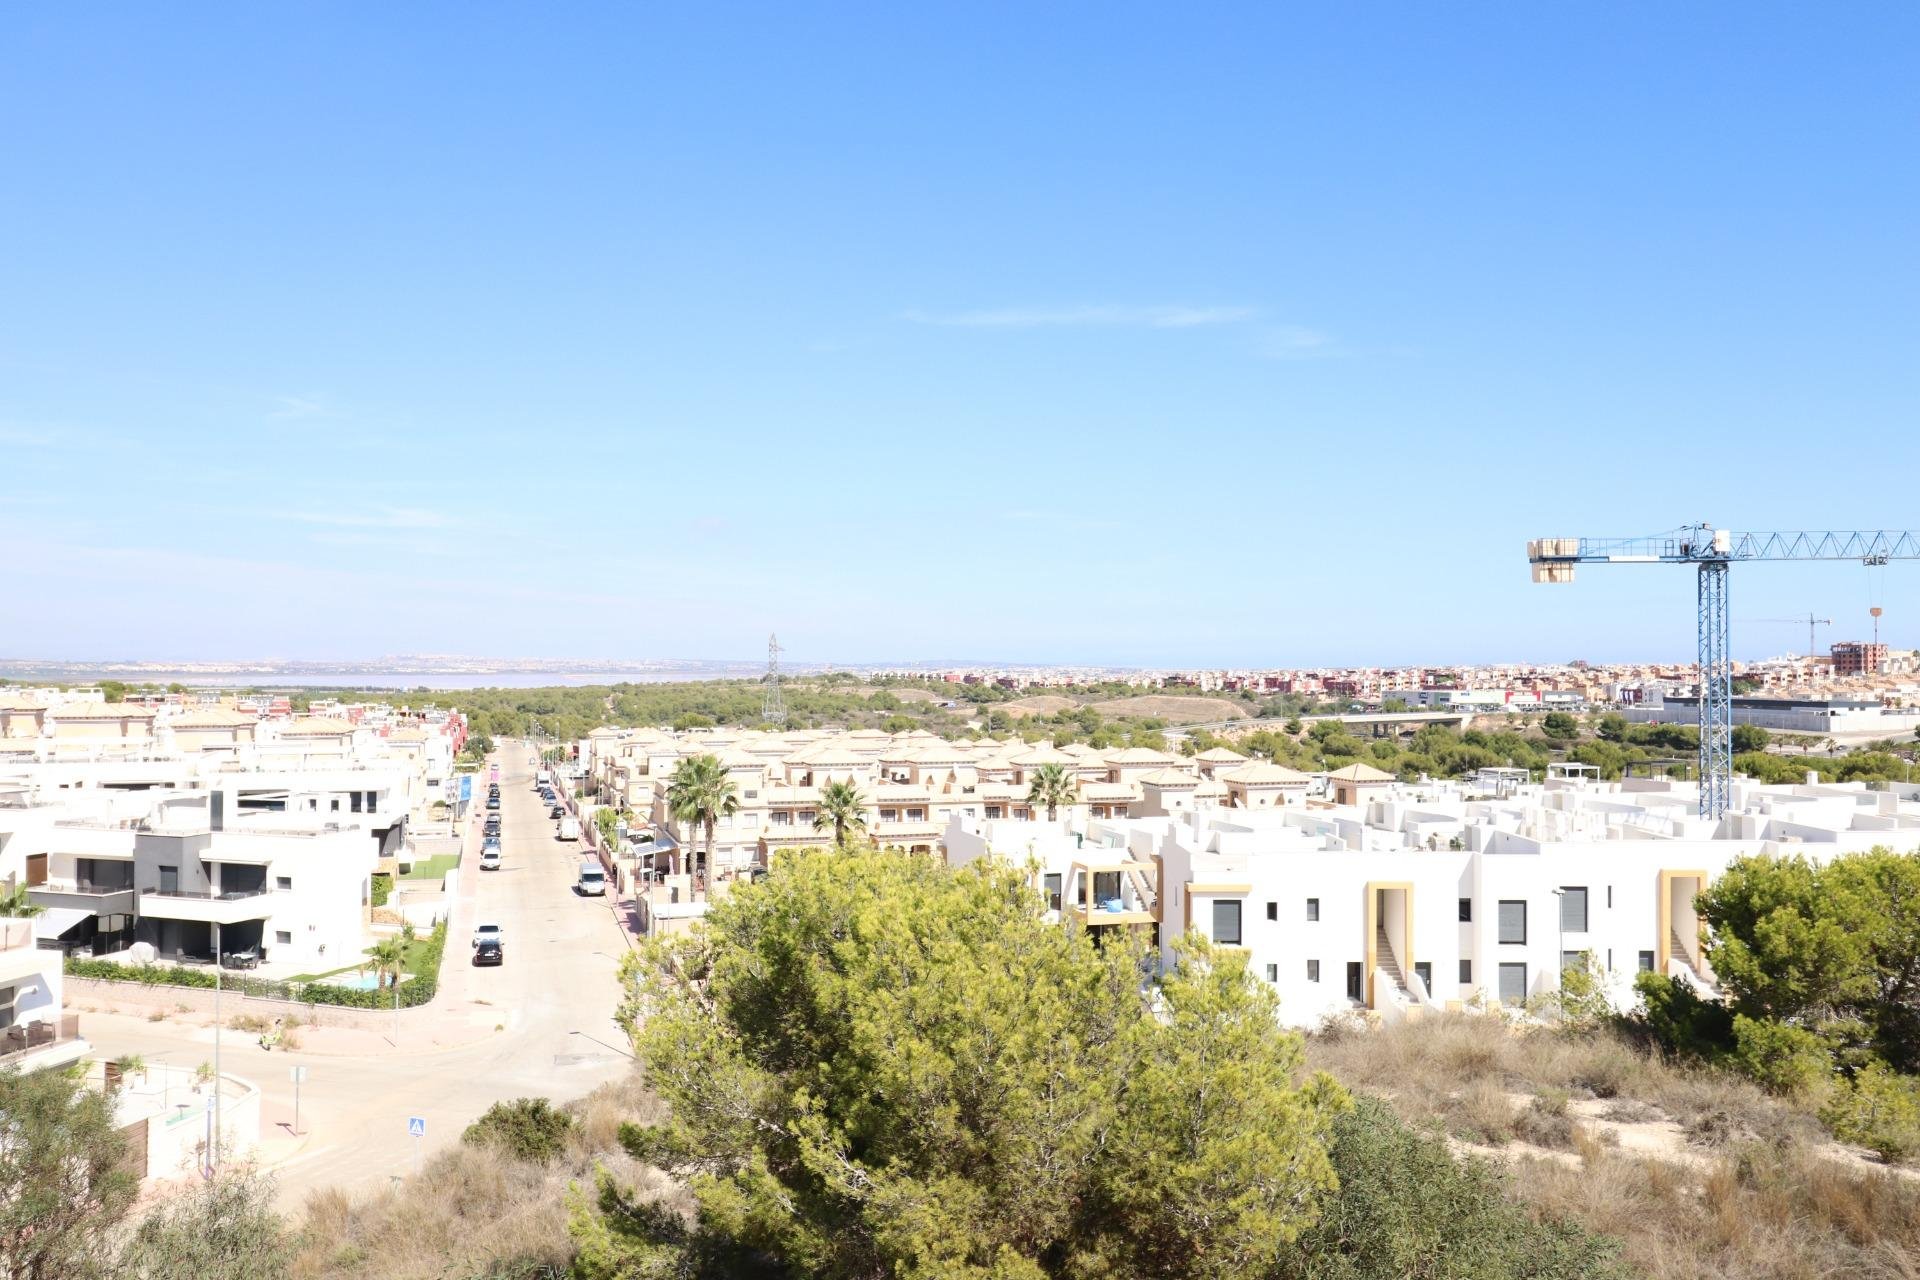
[{"x": 213, "y": 1145}]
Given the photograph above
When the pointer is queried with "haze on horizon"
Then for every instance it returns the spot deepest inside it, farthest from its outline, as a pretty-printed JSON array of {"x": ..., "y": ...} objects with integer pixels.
[{"x": 1146, "y": 338}]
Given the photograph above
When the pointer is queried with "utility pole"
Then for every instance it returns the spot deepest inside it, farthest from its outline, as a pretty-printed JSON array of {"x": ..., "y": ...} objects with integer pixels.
[
  {"x": 213, "y": 1143},
  {"x": 773, "y": 707}
]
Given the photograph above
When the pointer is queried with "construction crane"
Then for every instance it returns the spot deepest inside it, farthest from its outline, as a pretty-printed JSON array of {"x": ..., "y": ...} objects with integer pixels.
[
  {"x": 1811, "y": 622},
  {"x": 1714, "y": 551}
]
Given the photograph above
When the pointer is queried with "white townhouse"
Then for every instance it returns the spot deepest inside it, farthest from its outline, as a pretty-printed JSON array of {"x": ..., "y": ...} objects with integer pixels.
[{"x": 1428, "y": 895}]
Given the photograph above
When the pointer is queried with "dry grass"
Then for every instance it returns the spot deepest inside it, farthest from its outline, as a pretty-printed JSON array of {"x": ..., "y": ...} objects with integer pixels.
[
  {"x": 1759, "y": 1214},
  {"x": 1754, "y": 1189},
  {"x": 474, "y": 1213},
  {"x": 1175, "y": 708}
]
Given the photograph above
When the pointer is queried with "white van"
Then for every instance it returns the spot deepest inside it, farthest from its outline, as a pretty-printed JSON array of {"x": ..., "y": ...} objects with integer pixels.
[
  {"x": 593, "y": 879},
  {"x": 569, "y": 829}
]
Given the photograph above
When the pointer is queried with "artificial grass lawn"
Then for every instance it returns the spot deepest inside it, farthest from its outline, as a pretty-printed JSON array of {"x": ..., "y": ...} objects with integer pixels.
[{"x": 434, "y": 868}]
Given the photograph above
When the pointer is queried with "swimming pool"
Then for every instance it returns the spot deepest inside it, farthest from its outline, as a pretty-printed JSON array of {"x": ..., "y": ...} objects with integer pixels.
[{"x": 367, "y": 981}]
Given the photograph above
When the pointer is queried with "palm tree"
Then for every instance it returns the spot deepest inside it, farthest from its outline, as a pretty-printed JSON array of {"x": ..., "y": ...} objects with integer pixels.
[
  {"x": 14, "y": 902},
  {"x": 1053, "y": 786},
  {"x": 843, "y": 808},
  {"x": 698, "y": 793},
  {"x": 386, "y": 959}
]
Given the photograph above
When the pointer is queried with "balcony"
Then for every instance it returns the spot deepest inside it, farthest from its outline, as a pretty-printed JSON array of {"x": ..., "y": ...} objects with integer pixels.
[
  {"x": 90, "y": 896},
  {"x": 207, "y": 907},
  {"x": 1120, "y": 892},
  {"x": 31, "y": 1046}
]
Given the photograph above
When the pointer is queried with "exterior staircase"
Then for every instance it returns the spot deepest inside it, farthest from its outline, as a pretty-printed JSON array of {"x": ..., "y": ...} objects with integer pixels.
[
  {"x": 1388, "y": 965},
  {"x": 1681, "y": 965}
]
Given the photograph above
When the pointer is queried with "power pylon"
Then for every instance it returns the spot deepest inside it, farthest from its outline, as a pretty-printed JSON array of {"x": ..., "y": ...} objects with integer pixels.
[{"x": 773, "y": 707}]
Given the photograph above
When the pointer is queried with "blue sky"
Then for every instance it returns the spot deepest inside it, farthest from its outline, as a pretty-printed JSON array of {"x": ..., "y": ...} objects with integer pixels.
[{"x": 1116, "y": 334}]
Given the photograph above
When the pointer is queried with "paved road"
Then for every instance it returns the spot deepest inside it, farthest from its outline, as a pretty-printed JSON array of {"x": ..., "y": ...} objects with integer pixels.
[{"x": 562, "y": 953}]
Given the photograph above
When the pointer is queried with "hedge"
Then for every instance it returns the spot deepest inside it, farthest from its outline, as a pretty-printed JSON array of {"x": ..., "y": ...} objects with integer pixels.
[{"x": 417, "y": 990}]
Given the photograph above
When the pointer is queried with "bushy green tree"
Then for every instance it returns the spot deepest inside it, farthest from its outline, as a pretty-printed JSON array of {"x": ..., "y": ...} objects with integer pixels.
[
  {"x": 1750, "y": 737},
  {"x": 1560, "y": 726},
  {"x": 1827, "y": 948},
  {"x": 880, "y": 1066},
  {"x": 63, "y": 1191}
]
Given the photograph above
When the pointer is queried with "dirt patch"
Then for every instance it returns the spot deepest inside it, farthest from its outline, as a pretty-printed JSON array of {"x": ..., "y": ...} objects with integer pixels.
[
  {"x": 1175, "y": 709},
  {"x": 1040, "y": 704}
]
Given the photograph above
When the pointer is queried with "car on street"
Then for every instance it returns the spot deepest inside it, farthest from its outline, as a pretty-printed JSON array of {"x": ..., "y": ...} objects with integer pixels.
[
  {"x": 489, "y": 842},
  {"x": 493, "y": 826},
  {"x": 490, "y": 858},
  {"x": 488, "y": 933},
  {"x": 558, "y": 811},
  {"x": 489, "y": 952},
  {"x": 493, "y": 802},
  {"x": 567, "y": 829}
]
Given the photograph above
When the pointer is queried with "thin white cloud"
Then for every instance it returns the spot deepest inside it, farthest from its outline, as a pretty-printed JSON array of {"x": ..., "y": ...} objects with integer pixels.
[
  {"x": 1295, "y": 342},
  {"x": 291, "y": 408},
  {"x": 375, "y": 518},
  {"x": 1086, "y": 317}
]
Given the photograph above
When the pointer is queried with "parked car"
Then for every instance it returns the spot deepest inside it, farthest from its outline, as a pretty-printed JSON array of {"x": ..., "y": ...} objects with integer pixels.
[
  {"x": 568, "y": 829},
  {"x": 493, "y": 802},
  {"x": 488, "y": 932},
  {"x": 489, "y": 952},
  {"x": 490, "y": 858},
  {"x": 493, "y": 826},
  {"x": 489, "y": 842},
  {"x": 558, "y": 811}
]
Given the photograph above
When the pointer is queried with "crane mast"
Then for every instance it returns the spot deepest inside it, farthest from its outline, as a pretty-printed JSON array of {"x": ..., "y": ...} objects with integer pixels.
[{"x": 1713, "y": 551}]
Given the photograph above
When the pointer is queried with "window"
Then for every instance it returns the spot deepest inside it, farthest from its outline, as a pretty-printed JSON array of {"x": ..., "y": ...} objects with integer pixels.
[
  {"x": 1273, "y": 973},
  {"x": 1466, "y": 972},
  {"x": 916, "y": 815},
  {"x": 1646, "y": 962},
  {"x": 751, "y": 795},
  {"x": 993, "y": 811},
  {"x": 1609, "y": 897},
  {"x": 1513, "y": 983},
  {"x": 1273, "y": 911},
  {"x": 889, "y": 815},
  {"x": 1423, "y": 970},
  {"x": 1513, "y": 921},
  {"x": 1313, "y": 971},
  {"x": 169, "y": 879},
  {"x": 1466, "y": 911},
  {"x": 1226, "y": 922},
  {"x": 283, "y": 883},
  {"x": 1573, "y": 909},
  {"x": 1052, "y": 882},
  {"x": 354, "y": 796},
  {"x": 1313, "y": 909},
  {"x": 283, "y": 937},
  {"x": 1355, "y": 991},
  {"x": 1572, "y": 960},
  {"x": 335, "y": 803}
]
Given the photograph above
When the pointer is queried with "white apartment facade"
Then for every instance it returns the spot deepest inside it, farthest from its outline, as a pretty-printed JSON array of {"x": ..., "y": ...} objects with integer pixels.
[{"x": 1434, "y": 899}]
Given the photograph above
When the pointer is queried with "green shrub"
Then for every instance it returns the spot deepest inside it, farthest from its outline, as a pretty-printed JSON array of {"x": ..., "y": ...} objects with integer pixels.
[
  {"x": 1674, "y": 1016},
  {"x": 1780, "y": 1058},
  {"x": 1879, "y": 1110},
  {"x": 529, "y": 1129},
  {"x": 382, "y": 888},
  {"x": 1407, "y": 1208}
]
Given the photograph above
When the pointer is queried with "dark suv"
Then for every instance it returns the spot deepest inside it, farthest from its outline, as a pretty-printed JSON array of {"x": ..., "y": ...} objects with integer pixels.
[{"x": 488, "y": 951}]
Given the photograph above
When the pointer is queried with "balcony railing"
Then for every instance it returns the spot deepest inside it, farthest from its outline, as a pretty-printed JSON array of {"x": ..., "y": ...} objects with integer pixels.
[
  {"x": 24, "y": 1037},
  {"x": 208, "y": 895},
  {"x": 85, "y": 886}
]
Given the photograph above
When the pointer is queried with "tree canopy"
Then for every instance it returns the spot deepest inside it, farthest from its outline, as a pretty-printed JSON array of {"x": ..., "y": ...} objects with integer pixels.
[{"x": 879, "y": 1066}]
